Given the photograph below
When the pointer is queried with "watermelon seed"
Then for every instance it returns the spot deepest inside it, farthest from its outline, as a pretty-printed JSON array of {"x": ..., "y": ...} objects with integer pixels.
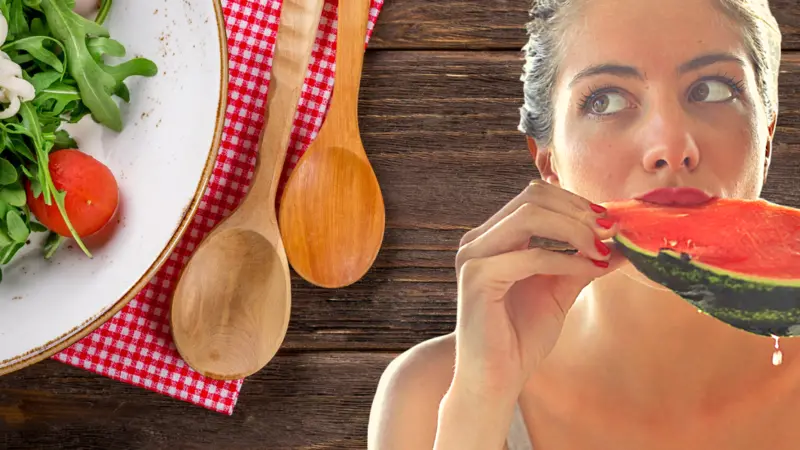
[
  {"x": 685, "y": 257},
  {"x": 777, "y": 355}
]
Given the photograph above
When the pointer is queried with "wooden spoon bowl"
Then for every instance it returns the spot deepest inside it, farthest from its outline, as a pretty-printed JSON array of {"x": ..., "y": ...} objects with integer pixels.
[
  {"x": 345, "y": 206},
  {"x": 233, "y": 293}
]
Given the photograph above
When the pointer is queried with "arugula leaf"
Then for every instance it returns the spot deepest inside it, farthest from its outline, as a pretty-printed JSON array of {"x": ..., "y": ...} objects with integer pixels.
[
  {"x": 51, "y": 244},
  {"x": 105, "y": 7},
  {"x": 8, "y": 173},
  {"x": 38, "y": 27},
  {"x": 78, "y": 113},
  {"x": 43, "y": 80},
  {"x": 5, "y": 9},
  {"x": 13, "y": 194},
  {"x": 21, "y": 58},
  {"x": 62, "y": 97},
  {"x": 50, "y": 123},
  {"x": 137, "y": 66},
  {"x": 36, "y": 187},
  {"x": 9, "y": 252},
  {"x": 123, "y": 92},
  {"x": 17, "y": 25},
  {"x": 28, "y": 171},
  {"x": 59, "y": 198},
  {"x": 35, "y": 4},
  {"x": 5, "y": 140},
  {"x": 31, "y": 123},
  {"x": 4, "y": 238},
  {"x": 100, "y": 46},
  {"x": 3, "y": 211},
  {"x": 35, "y": 46},
  {"x": 63, "y": 140},
  {"x": 37, "y": 227},
  {"x": 17, "y": 230},
  {"x": 94, "y": 84},
  {"x": 20, "y": 148}
]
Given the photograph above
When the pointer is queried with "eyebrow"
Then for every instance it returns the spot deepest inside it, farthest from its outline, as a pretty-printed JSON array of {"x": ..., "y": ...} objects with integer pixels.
[
  {"x": 609, "y": 69},
  {"x": 624, "y": 71},
  {"x": 709, "y": 59}
]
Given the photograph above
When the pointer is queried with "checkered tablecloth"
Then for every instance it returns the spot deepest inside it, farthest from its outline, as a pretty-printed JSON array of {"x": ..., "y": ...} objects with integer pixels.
[{"x": 135, "y": 346}]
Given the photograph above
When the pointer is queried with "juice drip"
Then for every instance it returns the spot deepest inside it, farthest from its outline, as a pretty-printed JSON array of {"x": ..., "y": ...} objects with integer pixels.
[{"x": 777, "y": 355}]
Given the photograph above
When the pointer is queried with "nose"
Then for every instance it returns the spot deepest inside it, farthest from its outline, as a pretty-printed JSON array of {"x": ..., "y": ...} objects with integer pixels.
[{"x": 668, "y": 141}]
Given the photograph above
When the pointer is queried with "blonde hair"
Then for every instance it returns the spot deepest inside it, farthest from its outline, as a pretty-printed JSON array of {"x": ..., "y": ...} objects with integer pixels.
[{"x": 549, "y": 18}]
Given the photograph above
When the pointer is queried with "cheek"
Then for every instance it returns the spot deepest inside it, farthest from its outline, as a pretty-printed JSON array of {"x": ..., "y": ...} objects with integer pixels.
[
  {"x": 733, "y": 150},
  {"x": 595, "y": 163},
  {"x": 590, "y": 158}
]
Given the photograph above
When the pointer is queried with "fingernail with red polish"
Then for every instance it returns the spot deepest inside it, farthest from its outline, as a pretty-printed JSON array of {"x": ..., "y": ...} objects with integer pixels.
[
  {"x": 601, "y": 247},
  {"x": 597, "y": 208},
  {"x": 605, "y": 223},
  {"x": 603, "y": 264}
]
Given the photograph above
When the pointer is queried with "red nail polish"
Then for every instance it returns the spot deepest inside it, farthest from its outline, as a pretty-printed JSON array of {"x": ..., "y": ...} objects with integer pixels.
[
  {"x": 602, "y": 264},
  {"x": 601, "y": 247},
  {"x": 597, "y": 208},
  {"x": 605, "y": 223}
]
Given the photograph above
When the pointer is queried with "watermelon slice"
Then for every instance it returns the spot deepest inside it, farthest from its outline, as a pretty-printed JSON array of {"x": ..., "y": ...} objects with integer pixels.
[{"x": 736, "y": 260}]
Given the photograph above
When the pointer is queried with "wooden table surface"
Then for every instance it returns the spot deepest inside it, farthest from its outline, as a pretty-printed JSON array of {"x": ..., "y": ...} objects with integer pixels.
[{"x": 438, "y": 112}]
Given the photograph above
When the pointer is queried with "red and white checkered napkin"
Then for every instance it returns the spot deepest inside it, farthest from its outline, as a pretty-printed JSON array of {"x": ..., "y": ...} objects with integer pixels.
[{"x": 135, "y": 346}]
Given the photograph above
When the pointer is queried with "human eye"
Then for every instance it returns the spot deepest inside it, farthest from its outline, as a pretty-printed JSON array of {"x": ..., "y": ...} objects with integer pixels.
[
  {"x": 716, "y": 90},
  {"x": 603, "y": 102}
]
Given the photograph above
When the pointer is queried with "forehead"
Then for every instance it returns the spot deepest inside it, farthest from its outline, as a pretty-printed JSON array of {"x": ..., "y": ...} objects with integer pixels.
[{"x": 652, "y": 35}]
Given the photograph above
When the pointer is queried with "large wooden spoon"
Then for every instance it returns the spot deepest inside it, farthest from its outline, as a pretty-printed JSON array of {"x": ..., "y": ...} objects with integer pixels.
[
  {"x": 231, "y": 308},
  {"x": 331, "y": 214}
]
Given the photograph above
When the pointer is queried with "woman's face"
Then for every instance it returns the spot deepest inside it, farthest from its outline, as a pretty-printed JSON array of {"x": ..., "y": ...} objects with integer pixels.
[{"x": 655, "y": 93}]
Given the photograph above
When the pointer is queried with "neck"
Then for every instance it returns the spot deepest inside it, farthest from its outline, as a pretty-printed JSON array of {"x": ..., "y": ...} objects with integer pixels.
[{"x": 660, "y": 350}]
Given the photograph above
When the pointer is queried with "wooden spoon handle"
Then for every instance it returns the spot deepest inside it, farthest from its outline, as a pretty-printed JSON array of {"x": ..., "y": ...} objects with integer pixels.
[
  {"x": 297, "y": 30},
  {"x": 351, "y": 36}
]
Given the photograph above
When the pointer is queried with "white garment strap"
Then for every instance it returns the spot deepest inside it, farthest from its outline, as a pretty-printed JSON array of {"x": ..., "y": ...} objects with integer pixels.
[{"x": 518, "y": 438}]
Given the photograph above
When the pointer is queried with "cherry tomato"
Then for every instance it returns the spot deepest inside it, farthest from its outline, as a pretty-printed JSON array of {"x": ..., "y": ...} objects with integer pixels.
[{"x": 92, "y": 194}]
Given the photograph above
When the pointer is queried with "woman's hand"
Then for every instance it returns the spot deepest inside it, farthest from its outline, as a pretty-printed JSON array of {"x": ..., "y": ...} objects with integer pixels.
[{"x": 512, "y": 300}]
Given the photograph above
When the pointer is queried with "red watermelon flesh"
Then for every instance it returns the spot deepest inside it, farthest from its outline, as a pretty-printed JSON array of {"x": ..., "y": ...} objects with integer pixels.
[{"x": 754, "y": 238}]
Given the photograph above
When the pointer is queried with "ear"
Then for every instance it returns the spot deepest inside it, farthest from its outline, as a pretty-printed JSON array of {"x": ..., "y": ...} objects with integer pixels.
[
  {"x": 768, "y": 154},
  {"x": 544, "y": 162}
]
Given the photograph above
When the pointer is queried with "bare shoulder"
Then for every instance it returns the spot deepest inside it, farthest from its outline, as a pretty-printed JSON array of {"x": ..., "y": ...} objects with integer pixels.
[{"x": 406, "y": 404}]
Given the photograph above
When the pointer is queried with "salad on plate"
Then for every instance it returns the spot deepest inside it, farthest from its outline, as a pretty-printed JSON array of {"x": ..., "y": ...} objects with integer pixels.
[{"x": 55, "y": 70}]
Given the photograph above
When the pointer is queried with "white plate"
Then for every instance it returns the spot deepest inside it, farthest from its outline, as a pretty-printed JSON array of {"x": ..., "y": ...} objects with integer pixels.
[{"x": 162, "y": 160}]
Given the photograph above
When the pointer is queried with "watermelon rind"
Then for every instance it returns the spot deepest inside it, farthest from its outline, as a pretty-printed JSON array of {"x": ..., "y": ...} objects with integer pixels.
[{"x": 763, "y": 306}]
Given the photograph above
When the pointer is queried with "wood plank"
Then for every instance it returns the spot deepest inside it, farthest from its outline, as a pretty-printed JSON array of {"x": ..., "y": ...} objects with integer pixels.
[
  {"x": 497, "y": 25},
  {"x": 299, "y": 401},
  {"x": 441, "y": 134}
]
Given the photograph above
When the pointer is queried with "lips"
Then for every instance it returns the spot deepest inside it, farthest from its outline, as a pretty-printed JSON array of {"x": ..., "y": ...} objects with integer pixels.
[{"x": 676, "y": 196}]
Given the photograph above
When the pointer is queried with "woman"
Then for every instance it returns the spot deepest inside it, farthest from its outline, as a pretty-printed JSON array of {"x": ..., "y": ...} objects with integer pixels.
[{"x": 580, "y": 351}]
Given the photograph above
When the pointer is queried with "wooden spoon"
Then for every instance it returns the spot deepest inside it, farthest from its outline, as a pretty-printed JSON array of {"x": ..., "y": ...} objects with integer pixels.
[
  {"x": 332, "y": 215},
  {"x": 231, "y": 307}
]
